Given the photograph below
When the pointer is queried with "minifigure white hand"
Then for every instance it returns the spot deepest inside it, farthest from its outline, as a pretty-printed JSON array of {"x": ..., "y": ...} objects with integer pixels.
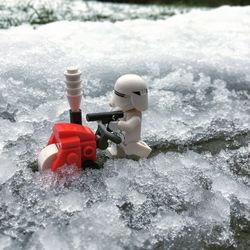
[{"x": 113, "y": 126}]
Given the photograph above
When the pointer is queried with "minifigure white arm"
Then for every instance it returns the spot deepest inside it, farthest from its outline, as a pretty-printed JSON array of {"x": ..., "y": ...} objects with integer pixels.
[{"x": 130, "y": 124}]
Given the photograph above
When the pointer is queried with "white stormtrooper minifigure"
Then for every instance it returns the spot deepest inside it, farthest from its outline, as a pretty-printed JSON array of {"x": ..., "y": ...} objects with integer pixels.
[{"x": 130, "y": 96}]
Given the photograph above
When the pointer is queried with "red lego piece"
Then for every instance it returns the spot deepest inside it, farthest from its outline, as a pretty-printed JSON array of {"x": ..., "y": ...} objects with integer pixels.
[{"x": 75, "y": 143}]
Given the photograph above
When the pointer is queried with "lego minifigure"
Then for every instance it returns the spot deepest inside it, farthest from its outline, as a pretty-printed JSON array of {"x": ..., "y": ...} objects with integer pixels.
[{"x": 130, "y": 96}]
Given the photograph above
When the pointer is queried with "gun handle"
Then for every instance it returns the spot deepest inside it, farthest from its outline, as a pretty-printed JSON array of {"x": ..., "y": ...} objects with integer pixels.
[{"x": 103, "y": 135}]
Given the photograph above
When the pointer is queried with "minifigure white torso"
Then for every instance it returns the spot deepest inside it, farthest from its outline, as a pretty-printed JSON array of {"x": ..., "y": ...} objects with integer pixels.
[{"x": 131, "y": 125}]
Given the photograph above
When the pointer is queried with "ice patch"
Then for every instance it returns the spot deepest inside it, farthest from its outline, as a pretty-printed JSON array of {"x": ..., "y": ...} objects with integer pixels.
[
  {"x": 5, "y": 241},
  {"x": 7, "y": 169}
]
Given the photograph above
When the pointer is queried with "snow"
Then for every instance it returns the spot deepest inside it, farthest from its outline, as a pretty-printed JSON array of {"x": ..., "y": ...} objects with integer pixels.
[{"x": 194, "y": 190}]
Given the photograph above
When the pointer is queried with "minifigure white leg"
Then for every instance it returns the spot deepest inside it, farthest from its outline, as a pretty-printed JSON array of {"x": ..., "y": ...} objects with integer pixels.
[
  {"x": 115, "y": 151},
  {"x": 111, "y": 151},
  {"x": 139, "y": 148}
]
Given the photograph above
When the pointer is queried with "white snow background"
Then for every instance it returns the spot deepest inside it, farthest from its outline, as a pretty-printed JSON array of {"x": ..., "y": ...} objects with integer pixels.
[{"x": 193, "y": 193}]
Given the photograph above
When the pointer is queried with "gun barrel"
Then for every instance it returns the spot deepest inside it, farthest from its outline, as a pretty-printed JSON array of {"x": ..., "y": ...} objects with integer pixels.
[{"x": 105, "y": 117}]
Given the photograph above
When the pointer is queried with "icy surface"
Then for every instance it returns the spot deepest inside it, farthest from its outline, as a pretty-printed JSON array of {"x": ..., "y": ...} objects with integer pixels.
[{"x": 192, "y": 193}]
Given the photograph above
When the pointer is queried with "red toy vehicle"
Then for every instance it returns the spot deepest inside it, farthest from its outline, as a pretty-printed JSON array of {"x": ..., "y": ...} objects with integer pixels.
[{"x": 75, "y": 144}]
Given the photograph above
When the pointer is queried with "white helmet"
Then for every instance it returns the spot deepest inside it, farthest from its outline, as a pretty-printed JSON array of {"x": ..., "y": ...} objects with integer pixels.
[{"x": 130, "y": 92}]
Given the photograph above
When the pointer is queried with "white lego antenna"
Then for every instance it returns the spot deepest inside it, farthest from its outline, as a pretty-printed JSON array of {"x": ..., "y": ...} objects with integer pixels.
[{"x": 74, "y": 93}]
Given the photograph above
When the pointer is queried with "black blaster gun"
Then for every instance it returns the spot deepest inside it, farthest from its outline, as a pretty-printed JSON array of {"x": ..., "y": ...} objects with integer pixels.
[{"x": 103, "y": 133}]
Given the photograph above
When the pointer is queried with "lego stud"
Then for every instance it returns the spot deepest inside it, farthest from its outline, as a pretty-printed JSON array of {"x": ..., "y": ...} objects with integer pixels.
[
  {"x": 72, "y": 158},
  {"x": 73, "y": 87},
  {"x": 72, "y": 70},
  {"x": 88, "y": 152}
]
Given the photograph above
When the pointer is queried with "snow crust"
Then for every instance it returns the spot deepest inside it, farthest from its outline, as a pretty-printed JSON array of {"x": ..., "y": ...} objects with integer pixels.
[{"x": 197, "y": 67}]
